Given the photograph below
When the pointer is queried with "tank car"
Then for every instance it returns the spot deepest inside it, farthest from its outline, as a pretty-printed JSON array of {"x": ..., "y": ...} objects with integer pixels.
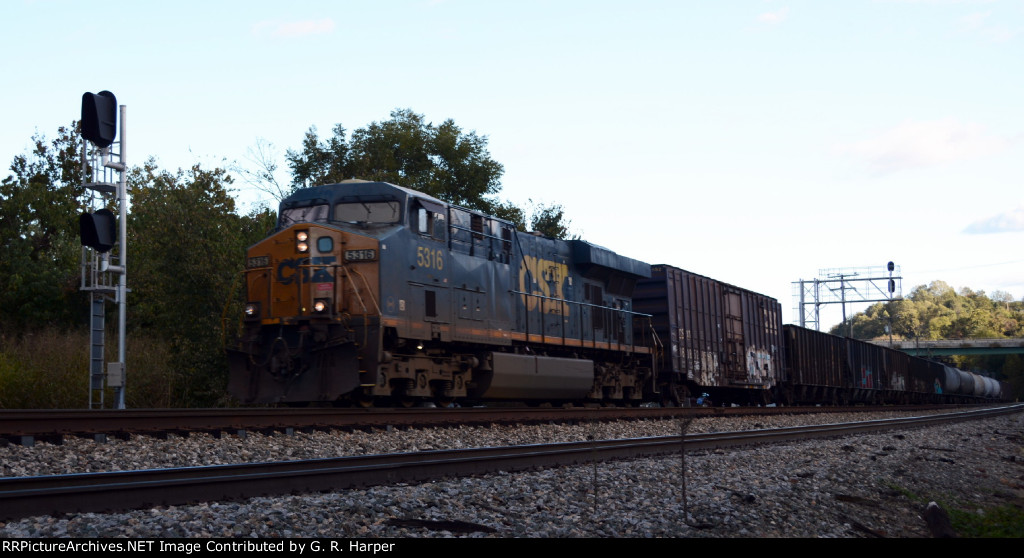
[{"x": 370, "y": 292}]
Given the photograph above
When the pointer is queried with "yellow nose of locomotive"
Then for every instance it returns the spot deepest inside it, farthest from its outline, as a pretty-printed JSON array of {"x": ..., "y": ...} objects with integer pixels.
[
  {"x": 311, "y": 316},
  {"x": 310, "y": 272}
]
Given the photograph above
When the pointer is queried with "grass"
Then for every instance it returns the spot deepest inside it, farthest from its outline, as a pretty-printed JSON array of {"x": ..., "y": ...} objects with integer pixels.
[
  {"x": 49, "y": 369},
  {"x": 974, "y": 520},
  {"x": 1005, "y": 521}
]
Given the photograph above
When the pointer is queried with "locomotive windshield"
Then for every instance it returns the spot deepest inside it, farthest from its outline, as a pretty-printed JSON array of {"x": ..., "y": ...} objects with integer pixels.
[
  {"x": 379, "y": 212},
  {"x": 308, "y": 214}
]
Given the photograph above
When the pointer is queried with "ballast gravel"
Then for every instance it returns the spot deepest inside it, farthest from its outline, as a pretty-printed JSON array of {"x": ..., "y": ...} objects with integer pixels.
[{"x": 866, "y": 485}]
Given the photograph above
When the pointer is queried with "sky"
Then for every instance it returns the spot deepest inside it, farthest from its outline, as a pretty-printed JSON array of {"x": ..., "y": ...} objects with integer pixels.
[{"x": 756, "y": 142}]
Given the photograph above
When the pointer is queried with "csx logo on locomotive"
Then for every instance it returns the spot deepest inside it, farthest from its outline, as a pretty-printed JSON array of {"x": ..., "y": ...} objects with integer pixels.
[
  {"x": 288, "y": 269},
  {"x": 547, "y": 279}
]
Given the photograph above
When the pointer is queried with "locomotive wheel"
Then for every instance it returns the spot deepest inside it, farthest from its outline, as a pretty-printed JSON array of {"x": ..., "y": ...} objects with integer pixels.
[
  {"x": 444, "y": 402},
  {"x": 363, "y": 399},
  {"x": 407, "y": 402}
]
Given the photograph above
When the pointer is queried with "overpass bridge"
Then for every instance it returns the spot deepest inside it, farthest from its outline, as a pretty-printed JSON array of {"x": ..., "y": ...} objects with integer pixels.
[{"x": 947, "y": 347}]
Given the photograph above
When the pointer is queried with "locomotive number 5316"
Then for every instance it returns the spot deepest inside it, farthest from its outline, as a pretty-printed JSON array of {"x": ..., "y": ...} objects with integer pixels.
[{"x": 429, "y": 258}]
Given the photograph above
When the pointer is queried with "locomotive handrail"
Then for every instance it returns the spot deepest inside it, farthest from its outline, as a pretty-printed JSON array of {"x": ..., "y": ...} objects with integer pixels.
[
  {"x": 334, "y": 278},
  {"x": 641, "y": 314},
  {"x": 365, "y": 284},
  {"x": 620, "y": 311},
  {"x": 474, "y": 234}
]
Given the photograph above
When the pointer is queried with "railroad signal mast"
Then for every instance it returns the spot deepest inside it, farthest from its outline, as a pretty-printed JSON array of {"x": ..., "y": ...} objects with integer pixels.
[
  {"x": 845, "y": 286},
  {"x": 104, "y": 235}
]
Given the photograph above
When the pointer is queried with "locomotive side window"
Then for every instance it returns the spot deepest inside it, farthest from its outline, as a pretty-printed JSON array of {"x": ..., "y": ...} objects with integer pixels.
[
  {"x": 422, "y": 221},
  {"x": 506, "y": 243},
  {"x": 430, "y": 223},
  {"x": 460, "y": 223},
  {"x": 439, "y": 226},
  {"x": 477, "y": 224},
  {"x": 480, "y": 236}
]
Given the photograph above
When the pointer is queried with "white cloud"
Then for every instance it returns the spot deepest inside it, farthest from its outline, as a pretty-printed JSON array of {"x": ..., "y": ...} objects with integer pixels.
[
  {"x": 774, "y": 18},
  {"x": 1010, "y": 221},
  {"x": 928, "y": 143},
  {"x": 288, "y": 29},
  {"x": 979, "y": 23}
]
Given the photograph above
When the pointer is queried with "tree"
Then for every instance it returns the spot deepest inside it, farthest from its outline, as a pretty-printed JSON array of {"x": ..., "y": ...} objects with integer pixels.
[
  {"x": 319, "y": 162},
  {"x": 936, "y": 311},
  {"x": 261, "y": 171},
  {"x": 442, "y": 161},
  {"x": 39, "y": 249},
  {"x": 188, "y": 251}
]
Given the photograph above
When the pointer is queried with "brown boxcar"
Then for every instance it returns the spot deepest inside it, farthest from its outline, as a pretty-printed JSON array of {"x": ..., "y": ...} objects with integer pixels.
[{"x": 717, "y": 337}]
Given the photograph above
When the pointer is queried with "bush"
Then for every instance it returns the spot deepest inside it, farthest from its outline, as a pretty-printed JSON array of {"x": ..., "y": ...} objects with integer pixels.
[{"x": 49, "y": 369}]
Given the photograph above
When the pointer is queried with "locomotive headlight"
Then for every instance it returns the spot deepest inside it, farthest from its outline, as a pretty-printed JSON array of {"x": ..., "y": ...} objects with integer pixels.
[
  {"x": 302, "y": 241},
  {"x": 320, "y": 305},
  {"x": 252, "y": 310}
]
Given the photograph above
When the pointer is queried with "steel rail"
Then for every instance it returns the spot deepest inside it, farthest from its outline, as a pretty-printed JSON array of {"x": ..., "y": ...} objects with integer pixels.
[
  {"x": 51, "y": 424},
  {"x": 120, "y": 490}
]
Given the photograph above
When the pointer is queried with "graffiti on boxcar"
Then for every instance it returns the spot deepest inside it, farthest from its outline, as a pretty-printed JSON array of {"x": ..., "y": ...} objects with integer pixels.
[
  {"x": 759, "y": 368},
  {"x": 705, "y": 368}
]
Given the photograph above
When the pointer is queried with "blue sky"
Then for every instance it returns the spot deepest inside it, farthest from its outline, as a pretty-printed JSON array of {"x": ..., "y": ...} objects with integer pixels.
[{"x": 753, "y": 141}]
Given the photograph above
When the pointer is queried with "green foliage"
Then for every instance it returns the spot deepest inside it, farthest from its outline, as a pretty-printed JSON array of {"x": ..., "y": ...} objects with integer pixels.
[
  {"x": 1004, "y": 521},
  {"x": 49, "y": 369},
  {"x": 46, "y": 369},
  {"x": 187, "y": 252},
  {"x": 937, "y": 311},
  {"x": 39, "y": 248},
  {"x": 549, "y": 220},
  {"x": 442, "y": 161}
]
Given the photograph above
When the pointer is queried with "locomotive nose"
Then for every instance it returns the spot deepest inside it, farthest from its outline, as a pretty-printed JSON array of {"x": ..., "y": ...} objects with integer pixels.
[
  {"x": 311, "y": 313},
  {"x": 311, "y": 272}
]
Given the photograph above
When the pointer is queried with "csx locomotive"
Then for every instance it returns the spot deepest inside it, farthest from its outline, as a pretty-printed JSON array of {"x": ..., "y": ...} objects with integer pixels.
[{"x": 371, "y": 293}]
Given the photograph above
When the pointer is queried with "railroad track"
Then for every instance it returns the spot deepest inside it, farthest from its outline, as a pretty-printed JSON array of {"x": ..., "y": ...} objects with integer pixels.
[
  {"x": 112, "y": 491},
  {"x": 26, "y": 426}
]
